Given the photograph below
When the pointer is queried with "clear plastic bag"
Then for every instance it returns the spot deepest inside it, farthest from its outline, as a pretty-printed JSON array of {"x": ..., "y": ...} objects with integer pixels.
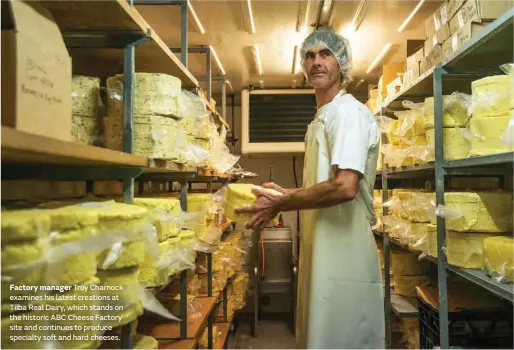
[
  {"x": 448, "y": 213},
  {"x": 191, "y": 105},
  {"x": 411, "y": 120},
  {"x": 491, "y": 96}
]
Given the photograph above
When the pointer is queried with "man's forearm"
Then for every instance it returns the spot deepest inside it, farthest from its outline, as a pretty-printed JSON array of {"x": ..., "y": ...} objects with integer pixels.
[{"x": 322, "y": 195}]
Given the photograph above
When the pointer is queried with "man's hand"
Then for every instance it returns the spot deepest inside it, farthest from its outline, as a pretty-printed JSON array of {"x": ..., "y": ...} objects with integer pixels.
[{"x": 264, "y": 209}]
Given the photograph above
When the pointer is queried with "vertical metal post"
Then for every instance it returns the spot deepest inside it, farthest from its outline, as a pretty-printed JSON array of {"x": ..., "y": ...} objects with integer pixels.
[
  {"x": 209, "y": 274},
  {"x": 224, "y": 98},
  {"x": 90, "y": 187},
  {"x": 183, "y": 304},
  {"x": 439, "y": 187},
  {"x": 126, "y": 337},
  {"x": 183, "y": 33},
  {"x": 128, "y": 117},
  {"x": 255, "y": 271},
  {"x": 225, "y": 306},
  {"x": 387, "y": 260},
  {"x": 183, "y": 195},
  {"x": 209, "y": 186},
  {"x": 208, "y": 82}
]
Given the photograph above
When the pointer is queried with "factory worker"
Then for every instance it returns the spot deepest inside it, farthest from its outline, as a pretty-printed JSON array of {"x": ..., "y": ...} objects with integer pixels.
[{"x": 340, "y": 298}]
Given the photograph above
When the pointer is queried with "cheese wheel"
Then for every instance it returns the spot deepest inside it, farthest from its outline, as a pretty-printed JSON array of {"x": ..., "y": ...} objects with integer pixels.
[
  {"x": 454, "y": 112},
  {"x": 498, "y": 254},
  {"x": 455, "y": 146},
  {"x": 489, "y": 135},
  {"x": 432, "y": 240},
  {"x": 491, "y": 96},
  {"x": 486, "y": 212},
  {"x": 21, "y": 225}
]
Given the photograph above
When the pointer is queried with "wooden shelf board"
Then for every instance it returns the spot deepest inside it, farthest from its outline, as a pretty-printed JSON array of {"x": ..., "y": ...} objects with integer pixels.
[
  {"x": 195, "y": 326},
  {"x": 22, "y": 147},
  {"x": 152, "y": 56},
  {"x": 177, "y": 344},
  {"x": 223, "y": 330}
]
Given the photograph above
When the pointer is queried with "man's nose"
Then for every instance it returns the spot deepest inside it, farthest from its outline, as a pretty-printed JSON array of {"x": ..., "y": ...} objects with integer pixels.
[{"x": 317, "y": 59}]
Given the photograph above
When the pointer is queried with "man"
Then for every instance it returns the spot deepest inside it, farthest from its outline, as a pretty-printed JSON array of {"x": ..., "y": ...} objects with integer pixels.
[{"x": 340, "y": 298}]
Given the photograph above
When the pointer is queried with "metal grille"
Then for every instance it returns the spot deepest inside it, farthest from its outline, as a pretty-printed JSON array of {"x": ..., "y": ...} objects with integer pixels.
[{"x": 280, "y": 118}]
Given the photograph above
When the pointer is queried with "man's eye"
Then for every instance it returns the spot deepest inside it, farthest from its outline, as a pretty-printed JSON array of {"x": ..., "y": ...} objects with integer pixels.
[
  {"x": 309, "y": 56},
  {"x": 325, "y": 53}
]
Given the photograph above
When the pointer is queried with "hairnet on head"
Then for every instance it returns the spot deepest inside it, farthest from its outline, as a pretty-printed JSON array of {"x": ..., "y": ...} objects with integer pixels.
[{"x": 338, "y": 45}]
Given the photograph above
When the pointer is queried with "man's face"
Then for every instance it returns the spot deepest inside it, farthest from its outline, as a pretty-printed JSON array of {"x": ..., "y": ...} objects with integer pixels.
[{"x": 322, "y": 67}]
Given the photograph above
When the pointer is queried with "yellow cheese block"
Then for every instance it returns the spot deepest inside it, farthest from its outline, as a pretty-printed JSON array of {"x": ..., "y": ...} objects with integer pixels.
[
  {"x": 454, "y": 112},
  {"x": 498, "y": 253},
  {"x": 19, "y": 225},
  {"x": 465, "y": 249},
  {"x": 164, "y": 213},
  {"x": 201, "y": 202},
  {"x": 407, "y": 264},
  {"x": 218, "y": 261},
  {"x": 127, "y": 255},
  {"x": 72, "y": 268},
  {"x": 491, "y": 96},
  {"x": 240, "y": 283},
  {"x": 406, "y": 285},
  {"x": 488, "y": 135},
  {"x": 482, "y": 211},
  {"x": 219, "y": 280},
  {"x": 68, "y": 218},
  {"x": 421, "y": 207},
  {"x": 239, "y": 196},
  {"x": 432, "y": 240},
  {"x": 169, "y": 205},
  {"x": 418, "y": 236},
  {"x": 455, "y": 146},
  {"x": 85, "y": 95},
  {"x": 410, "y": 123}
]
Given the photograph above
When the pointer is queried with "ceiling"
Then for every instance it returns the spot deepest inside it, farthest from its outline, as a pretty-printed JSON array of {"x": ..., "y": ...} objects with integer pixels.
[{"x": 276, "y": 35}]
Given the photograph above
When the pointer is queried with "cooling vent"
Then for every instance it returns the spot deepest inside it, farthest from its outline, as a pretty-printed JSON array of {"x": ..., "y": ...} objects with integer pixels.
[{"x": 275, "y": 121}]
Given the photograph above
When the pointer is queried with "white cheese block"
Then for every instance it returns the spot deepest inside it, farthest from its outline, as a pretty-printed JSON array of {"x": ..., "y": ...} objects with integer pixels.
[
  {"x": 455, "y": 146},
  {"x": 487, "y": 212},
  {"x": 491, "y": 96},
  {"x": 488, "y": 135},
  {"x": 85, "y": 96}
]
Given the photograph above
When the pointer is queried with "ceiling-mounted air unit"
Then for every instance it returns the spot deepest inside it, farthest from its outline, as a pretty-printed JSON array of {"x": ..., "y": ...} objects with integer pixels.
[{"x": 275, "y": 121}]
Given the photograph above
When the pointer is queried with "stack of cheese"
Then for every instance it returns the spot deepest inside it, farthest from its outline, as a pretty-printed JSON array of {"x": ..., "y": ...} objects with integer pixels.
[
  {"x": 408, "y": 272},
  {"x": 155, "y": 109},
  {"x": 479, "y": 216},
  {"x": 237, "y": 249},
  {"x": 377, "y": 205},
  {"x": 219, "y": 271},
  {"x": 410, "y": 329},
  {"x": 236, "y": 295},
  {"x": 409, "y": 138},
  {"x": 492, "y": 110},
  {"x": 164, "y": 215},
  {"x": 85, "y": 105},
  {"x": 455, "y": 116},
  {"x": 203, "y": 203}
]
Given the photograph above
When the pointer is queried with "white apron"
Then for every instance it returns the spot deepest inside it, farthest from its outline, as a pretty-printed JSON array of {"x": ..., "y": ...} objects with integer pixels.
[{"x": 340, "y": 295}]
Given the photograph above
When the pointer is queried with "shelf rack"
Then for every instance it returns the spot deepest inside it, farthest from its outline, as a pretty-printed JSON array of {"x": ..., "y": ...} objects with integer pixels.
[
  {"x": 102, "y": 37},
  {"x": 480, "y": 57}
]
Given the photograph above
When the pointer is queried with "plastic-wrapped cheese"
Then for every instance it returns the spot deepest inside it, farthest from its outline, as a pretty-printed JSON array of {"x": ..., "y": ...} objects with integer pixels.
[
  {"x": 204, "y": 343},
  {"x": 126, "y": 255},
  {"x": 22, "y": 264},
  {"x": 76, "y": 266},
  {"x": 455, "y": 113},
  {"x": 74, "y": 294},
  {"x": 488, "y": 135},
  {"x": 418, "y": 236},
  {"x": 421, "y": 207},
  {"x": 219, "y": 280},
  {"x": 202, "y": 127},
  {"x": 239, "y": 196},
  {"x": 406, "y": 285},
  {"x": 128, "y": 297},
  {"x": 218, "y": 261},
  {"x": 455, "y": 146},
  {"x": 21, "y": 225},
  {"x": 498, "y": 254},
  {"x": 410, "y": 123},
  {"x": 85, "y": 130},
  {"x": 165, "y": 215},
  {"x": 200, "y": 202},
  {"x": 465, "y": 249},
  {"x": 481, "y": 211},
  {"x": 491, "y": 96},
  {"x": 152, "y": 273},
  {"x": 240, "y": 283},
  {"x": 155, "y": 94},
  {"x": 407, "y": 264},
  {"x": 85, "y": 96}
]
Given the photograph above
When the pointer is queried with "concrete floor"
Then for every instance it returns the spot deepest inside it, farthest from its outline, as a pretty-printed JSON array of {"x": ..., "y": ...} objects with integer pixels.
[{"x": 274, "y": 332}]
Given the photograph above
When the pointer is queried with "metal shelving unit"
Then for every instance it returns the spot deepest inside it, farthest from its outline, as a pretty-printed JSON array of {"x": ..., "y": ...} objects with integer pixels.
[
  {"x": 108, "y": 32},
  {"x": 478, "y": 58}
]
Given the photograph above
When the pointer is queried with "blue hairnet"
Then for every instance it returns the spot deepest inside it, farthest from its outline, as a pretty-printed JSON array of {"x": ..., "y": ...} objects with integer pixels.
[{"x": 338, "y": 45}]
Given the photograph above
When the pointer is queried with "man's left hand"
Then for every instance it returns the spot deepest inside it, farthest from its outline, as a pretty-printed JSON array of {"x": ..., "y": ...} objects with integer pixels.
[{"x": 264, "y": 209}]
